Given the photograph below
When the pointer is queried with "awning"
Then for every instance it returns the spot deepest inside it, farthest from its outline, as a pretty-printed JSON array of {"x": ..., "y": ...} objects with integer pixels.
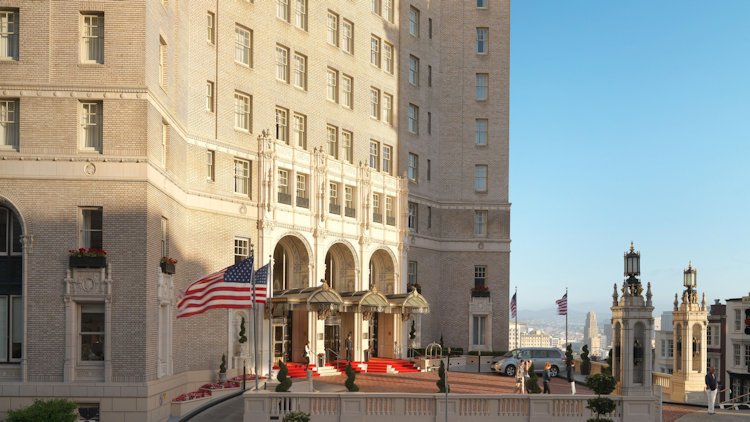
[
  {"x": 366, "y": 301},
  {"x": 409, "y": 303},
  {"x": 321, "y": 298}
]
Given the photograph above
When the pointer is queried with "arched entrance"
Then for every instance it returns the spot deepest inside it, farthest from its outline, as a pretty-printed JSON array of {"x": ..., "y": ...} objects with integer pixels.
[
  {"x": 381, "y": 328},
  {"x": 291, "y": 264},
  {"x": 11, "y": 286},
  {"x": 291, "y": 270},
  {"x": 381, "y": 274},
  {"x": 340, "y": 268}
]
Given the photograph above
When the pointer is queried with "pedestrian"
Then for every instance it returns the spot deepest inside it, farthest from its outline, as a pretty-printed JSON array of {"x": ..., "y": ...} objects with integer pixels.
[
  {"x": 348, "y": 346},
  {"x": 306, "y": 354},
  {"x": 546, "y": 377},
  {"x": 520, "y": 388},
  {"x": 711, "y": 389},
  {"x": 570, "y": 368}
]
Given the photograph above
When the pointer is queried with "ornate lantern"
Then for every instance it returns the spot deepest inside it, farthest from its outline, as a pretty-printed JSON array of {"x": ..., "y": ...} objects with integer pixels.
[{"x": 689, "y": 277}]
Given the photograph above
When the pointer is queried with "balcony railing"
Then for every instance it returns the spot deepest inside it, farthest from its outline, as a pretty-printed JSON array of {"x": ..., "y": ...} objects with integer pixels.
[
  {"x": 334, "y": 209},
  {"x": 391, "y": 221},
  {"x": 285, "y": 198},
  {"x": 377, "y": 218},
  {"x": 350, "y": 212},
  {"x": 303, "y": 202}
]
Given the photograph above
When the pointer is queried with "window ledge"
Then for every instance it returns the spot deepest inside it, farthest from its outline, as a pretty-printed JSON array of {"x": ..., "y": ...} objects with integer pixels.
[
  {"x": 246, "y": 66},
  {"x": 8, "y": 60}
]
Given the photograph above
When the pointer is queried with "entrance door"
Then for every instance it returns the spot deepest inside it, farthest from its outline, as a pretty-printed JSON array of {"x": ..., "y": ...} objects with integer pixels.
[
  {"x": 282, "y": 351},
  {"x": 373, "y": 336},
  {"x": 332, "y": 337}
]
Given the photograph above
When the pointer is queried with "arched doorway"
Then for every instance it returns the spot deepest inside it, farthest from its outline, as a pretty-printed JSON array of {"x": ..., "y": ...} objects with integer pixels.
[
  {"x": 291, "y": 270},
  {"x": 290, "y": 264},
  {"x": 381, "y": 325},
  {"x": 340, "y": 268},
  {"x": 11, "y": 286},
  {"x": 381, "y": 274},
  {"x": 698, "y": 359}
]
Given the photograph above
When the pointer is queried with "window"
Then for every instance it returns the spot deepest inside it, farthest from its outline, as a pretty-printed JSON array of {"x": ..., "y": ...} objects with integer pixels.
[
  {"x": 374, "y": 103},
  {"x": 388, "y": 108},
  {"x": 387, "y": 153},
  {"x": 737, "y": 319},
  {"x": 241, "y": 177},
  {"x": 282, "y": 10},
  {"x": 413, "y": 170},
  {"x": 482, "y": 80},
  {"x": 91, "y": 333},
  {"x": 333, "y": 194},
  {"x": 736, "y": 355},
  {"x": 376, "y": 6},
  {"x": 482, "y": 4},
  {"x": 480, "y": 276},
  {"x": 429, "y": 75},
  {"x": 164, "y": 143},
  {"x": 299, "y": 130},
  {"x": 483, "y": 35},
  {"x": 333, "y": 141},
  {"x": 377, "y": 213},
  {"x": 413, "y": 214},
  {"x": 164, "y": 244},
  {"x": 283, "y": 182},
  {"x": 346, "y": 138},
  {"x": 282, "y": 63},
  {"x": 300, "y": 71},
  {"x": 162, "y": 63},
  {"x": 282, "y": 125},
  {"x": 389, "y": 207},
  {"x": 8, "y": 35},
  {"x": 209, "y": 96},
  {"x": 332, "y": 91},
  {"x": 333, "y": 29},
  {"x": 709, "y": 335},
  {"x": 388, "y": 10},
  {"x": 411, "y": 273},
  {"x": 429, "y": 217},
  {"x": 347, "y": 34},
  {"x": 300, "y": 14},
  {"x": 210, "y": 19},
  {"x": 92, "y": 38},
  {"x": 11, "y": 327},
  {"x": 388, "y": 57},
  {"x": 429, "y": 123},
  {"x": 413, "y": 70},
  {"x": 413, "y": 119},
  {"x": 243, "y": 41},
  {"x": 429, "y": 169},
  {"x": 210, "y": 165},
  {"x": 480, "y": 223},
  {"x": 241, "y": 112},
  {"x": 9, "y": 123},
  {"x": 241, "y": 249},
  {"x": 301, "y": 186},
  {"x": 429, "y": 27},
  {"x": 91, "y": 126},
  {"x": 374, "y": 51},
  {"x": 480, "y": 178},
  {"x": 414, "y": 21},
  {"x": 91, "y": 228},
  {"x": 479, "y": 335},
  {"x": 480, "y": 132},
  {"x": 349, "y": 198},
  {"x": 347, "y": 88},
  {"x": 374, "y": 155}
]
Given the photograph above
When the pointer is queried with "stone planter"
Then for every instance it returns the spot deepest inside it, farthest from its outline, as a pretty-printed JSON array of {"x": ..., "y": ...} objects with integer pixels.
[
  {"x": 181, "y": 408},
  {"x": 222, "y": 377},
  {"x": 87, "y": 261},
  {"x": 221, "y": 392},
  {"x": 167, "y": 268}
]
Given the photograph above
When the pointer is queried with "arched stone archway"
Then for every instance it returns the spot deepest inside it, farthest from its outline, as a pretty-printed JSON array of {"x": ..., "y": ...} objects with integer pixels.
[
  {"x": 698, "y": 358},
  {"x": 677, "y": 348},
  {"x": 291, "y": 264},
  {"x": 340, "y": 267},
  {"x": 381, "y": 274},
  {"x": 11, "y": 289}
]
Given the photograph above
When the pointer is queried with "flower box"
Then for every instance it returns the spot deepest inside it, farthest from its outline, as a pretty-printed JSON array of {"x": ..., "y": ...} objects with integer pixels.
[
  {"x": 221, "y": 389},
  {"x": 187, "y": 402},
  {"x": 480, "y": 292},
  {"x": 167, "y": 267},
  {"x": 87, "y": 261}
]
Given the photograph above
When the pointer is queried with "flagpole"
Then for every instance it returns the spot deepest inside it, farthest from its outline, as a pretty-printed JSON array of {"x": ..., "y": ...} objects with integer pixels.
[
  {"x": 566, "y": 318},
  {"x": 255, "y": 327},
  {"x": 516, "y": 295},
  {"x": 269, "y": 295}
]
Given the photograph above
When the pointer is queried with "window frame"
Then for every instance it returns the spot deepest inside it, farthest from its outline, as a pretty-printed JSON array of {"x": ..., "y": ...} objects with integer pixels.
[
  {"x": 387, "y": 112},
  {"x": 483, "y": 41},
  {"x": 332, "y": 85},
  {"x": 412, "y": 172},
  {"x": 210, "y": 27},
  {"x": 332, "y": 142},
  {"x": 347, "y": 91},
  {"x": 480, "y": 223},
  {"x": 388, "y": 53},
  {"x": 9, "y": 39},
  {"x": 282, "y": 63},
  {"x": 300, "y": 14},
  {"x": 347, "y": 142},
  {"x": 282, "y": 10},
  {"x": 210, "y": 100},
  {"x": 282, "y": 124},
  {"x": 482, "y": 88},
  {"x": 375, "y": 43},
  {"x": 211, "y": 165},
  {"x": 243, "y": 45},
  {"x": 374, "y": 103},
  {"x": 480, "y": 134},
  {"x": 347, "y": 36},
  {"x": 242, "y": 180},
  {"x": 374, "y": 154},
  {"x": 413, "y": 116},
  {"x": 241, "y": 248},
  {"x": 282, "y": 184},
  {"x": 413, "y": 216},
  {"x": 414, "y": 21},
  {"x": 479, "y": 177},
  {"x": 92, "y": 308},
  {"x": 332, "y": 28},
  {"x": 86, "y": 125},
  {"x": 387, "y": 159},
  {"x": 413, "y": 70},
  {"x": 10, "y": 123},
  {"x": 84, "y": 240},
  {"x": 87, "y": 37},
  {"x": 299, "y": 130},
  {"x": 243, "y": 109}
]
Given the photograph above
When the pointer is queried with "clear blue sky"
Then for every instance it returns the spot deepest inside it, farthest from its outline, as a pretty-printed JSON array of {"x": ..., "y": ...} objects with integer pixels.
[{"x": 629, "y": 121}]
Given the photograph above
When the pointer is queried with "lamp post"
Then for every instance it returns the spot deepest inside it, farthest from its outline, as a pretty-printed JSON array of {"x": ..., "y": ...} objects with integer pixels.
[
  {"x": 632, "y": 268},
  {"x": 689, "y": 277}
]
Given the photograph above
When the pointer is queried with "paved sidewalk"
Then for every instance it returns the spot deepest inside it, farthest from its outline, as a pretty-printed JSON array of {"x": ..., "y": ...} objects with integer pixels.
[{"x": 720, "y": 416}]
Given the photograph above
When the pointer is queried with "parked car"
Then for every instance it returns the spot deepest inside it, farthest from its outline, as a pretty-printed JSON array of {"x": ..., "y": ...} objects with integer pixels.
[{"x": 508, "y": 363}]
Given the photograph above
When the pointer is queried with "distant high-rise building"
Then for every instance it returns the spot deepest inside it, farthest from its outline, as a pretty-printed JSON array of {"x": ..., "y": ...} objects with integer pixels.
[{"x": 591, "y": 333}]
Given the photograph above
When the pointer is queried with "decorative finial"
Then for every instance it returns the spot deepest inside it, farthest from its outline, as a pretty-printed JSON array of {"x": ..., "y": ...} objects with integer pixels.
[
  {"x": 690, "y": 264},
  {"x": 703, "y": 302},
  {"x": 676, "y": 303},
  {"x": 648, "y": 294},
  {"x": 632, "y": 248},
  {"x": 614, "y": 296}
]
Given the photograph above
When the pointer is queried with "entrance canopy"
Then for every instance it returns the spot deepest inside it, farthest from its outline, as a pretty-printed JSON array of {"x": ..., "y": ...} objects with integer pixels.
[
  {"x": 366, "y": 301},
  {"x": 409, "y": 303},
  {"x": 311, "y": 298}
]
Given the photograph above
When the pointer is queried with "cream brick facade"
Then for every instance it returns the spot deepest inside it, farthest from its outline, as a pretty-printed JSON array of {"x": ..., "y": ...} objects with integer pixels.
[{"x": 152, "y": 165}]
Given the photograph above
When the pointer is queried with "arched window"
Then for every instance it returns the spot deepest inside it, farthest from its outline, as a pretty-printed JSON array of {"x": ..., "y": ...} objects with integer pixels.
[{"x": 11, "y": 301}]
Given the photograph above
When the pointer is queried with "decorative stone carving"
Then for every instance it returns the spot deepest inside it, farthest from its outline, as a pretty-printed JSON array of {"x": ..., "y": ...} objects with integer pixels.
[
  {"x": 89, "y": 169},
  {"x": 88, "y": 282},
  {"x": 165, "y": 289},
  {"x": 27, "y": 242}
]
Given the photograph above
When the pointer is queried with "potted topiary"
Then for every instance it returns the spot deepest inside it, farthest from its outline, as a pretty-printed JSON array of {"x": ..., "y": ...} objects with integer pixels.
[
  {"x": 601, "y": 384},
  {"x": 87, "y": 258},
  {"x": 284, "y": 382},
  {"x": 441, "y": 378},
  {"x": 585, "y": 360},
  {"x": 297, "y": 417},
  {"x": 223, "y": 368},
  {"x": 350, "y": 375},
  {"x": 167, "y": 265},
  {"x": 532, "y": 384},
  {"x": 242, "y": 337}
]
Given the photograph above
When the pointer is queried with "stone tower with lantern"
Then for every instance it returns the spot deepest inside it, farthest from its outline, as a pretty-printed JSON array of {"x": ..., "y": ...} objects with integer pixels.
[
  {"x": 632, "y": 327},
  {"x": 689, "y": 323}
]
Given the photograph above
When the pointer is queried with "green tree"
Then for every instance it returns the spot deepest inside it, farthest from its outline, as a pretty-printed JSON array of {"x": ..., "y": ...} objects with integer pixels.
[
  {"x": 284, "y": 382},
  {"x": 532, "y": 384},
  {"x": 585, "y": 360},
  {"x": 569, "y": 353},
  {"x": 297, "y": 417},
  {"x": 243, "y": 337},
  {"x": 223, "y": 366},
  {"x": 350, "y": 375},
  {"x": 601, "y": 384},
  {"x": 56, "y": 410},
  {"x": 441, "y": 378}
]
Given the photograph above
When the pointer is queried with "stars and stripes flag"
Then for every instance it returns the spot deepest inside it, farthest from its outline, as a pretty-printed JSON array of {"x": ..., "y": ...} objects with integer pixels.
[
  {"x": 562, "y": 305},
  {"x": 227, "y": 288},
  {"x": 513, "y": 306},
  {"x": 261, "y": 283}
]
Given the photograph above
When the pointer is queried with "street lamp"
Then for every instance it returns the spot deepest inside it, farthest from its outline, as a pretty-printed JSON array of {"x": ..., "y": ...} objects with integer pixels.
[
  {"x": 689, "y": 277},
  {"x": 632, "y": 266}
]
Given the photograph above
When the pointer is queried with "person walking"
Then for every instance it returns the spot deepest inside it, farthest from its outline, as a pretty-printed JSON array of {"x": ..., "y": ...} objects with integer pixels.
[
  {"x": 520, "y": 387},
  {"x": 546, "y": 377},
  {"x": 711, "y": 389},
  {"x": 348, "y": 347},
  {"x": 306, "y": 354},
  {"x": 570, "y": 368}
]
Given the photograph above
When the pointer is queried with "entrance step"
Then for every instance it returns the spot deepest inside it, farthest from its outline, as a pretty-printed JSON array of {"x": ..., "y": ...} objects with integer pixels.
[
  {"x": 297, "y": 370},
  {"x": 327, "y": 371}
]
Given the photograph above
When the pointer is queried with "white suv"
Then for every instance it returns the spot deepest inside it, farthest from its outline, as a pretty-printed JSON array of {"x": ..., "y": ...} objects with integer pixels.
[{"x": 508, "y": 363}]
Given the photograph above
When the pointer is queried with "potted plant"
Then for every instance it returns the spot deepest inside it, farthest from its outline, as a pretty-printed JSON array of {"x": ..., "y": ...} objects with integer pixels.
[
  {"x": 601, "y": 384},
  {"x": 480, "y": 291},
  {"x": 223, "y": 369},
  {"x": 585, "y": 360},
  {"x": 167, "y": 265},
  {"x": 284, "y": 382},
  {"x": 87, "y": 258},
  {"x": 350, "y": 375}
]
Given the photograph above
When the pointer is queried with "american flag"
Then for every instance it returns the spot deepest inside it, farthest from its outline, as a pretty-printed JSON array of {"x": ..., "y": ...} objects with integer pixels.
[
  {"x": 261, "y": 283},
  {"x": 513, "y": 306},
  {"x": 228, "y": 288},
  {"x": 562, "y": 305}
]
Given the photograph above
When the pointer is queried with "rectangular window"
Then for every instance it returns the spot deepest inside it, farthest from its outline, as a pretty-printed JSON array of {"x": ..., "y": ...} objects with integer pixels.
[
  {"x": 736, "y": 355},
  {"x": 429, "y": 75},
  {"x": 241, "y": 249},
  {"x": 300, "y": 14},
  {"x": 349, "y": 197},
  {"x": 243, "y": 41},
  {"x": 347, "y": 91},
  {"x": 479, "y": 337},
  {"x": 333, "y": 193},
  {"x": 429, "y": 123},
  {"x": 413, "y": 70},
  {"x": 482, "y": 81},
  {"x": 332, "y": 89},
  {"x": 388, "y": 108},
  {"x": 347, "y": 35},
  {"x": 377, "y": 213},
  {"x": 91, "y": 126},
  {"x": 429, "y": 217},
  {"x": 301, "y": 186},
  {"x": 374, "y": 51},
  {"x": 8, "y": 35},
  {"x": 414, "y": 21},
  {"x": 241, "y": 177},
  {"x": 282, "y": 125},
  {"x": 374, "y": 103},
  {"x": 333, "y": 141},
  {"x": 389, "y": 207},
  {"x": 413, "y": 215},
  {"x": 388, "y": 57},
  {"x": 210, "y": 165},
  {"x": 374, "y": 155},
  {"x": 413, "y": 170},
  {"x": 92, "y": 38},
  {"x": 670, "y": 348},
  {"x": 209, "y": 96},
  {"x": 737, "y": 319},
  {"x": 164, "y": 143},
  {"x": 91, "y": 234},
  {"x": 282, "y": 63},
  {"x": 164, "y": 244},
  {"x": 283, "y": 182},
  {"x": 387, "y": 153},
  {"x": 347, "y": 141},
  {"x": 480, "y": 132},
  {"x": 480, "y": 223},
  {"x": 413, "y": 119},
  {"x": 388, "y": 10},
  {"x": 299, "y": 130},
  {"x": 480, "y": 178},
  {"x": 300, "y": 71},
  {"x": 282, "y": 10},
  {"x": 411, "y": 273},
  {"x": 429, "y": 169},
  {"x": 91, "y": 332},
  {"x": 483, "y": 36},
  {"x": 9, "y": 123},
  {"x": 162, "y": 62},
  {"x": 242, "y": 112},
  {"x": 709, "y": 336},
  {"x": 429, "y": 27},
  {"x": 482, "y": 4},
  {"x": 210, "y": 33},
  {"x": 376, "y": 6},
  {"x": 480, "y": 276},
  {"x": 333, "y": 29}
]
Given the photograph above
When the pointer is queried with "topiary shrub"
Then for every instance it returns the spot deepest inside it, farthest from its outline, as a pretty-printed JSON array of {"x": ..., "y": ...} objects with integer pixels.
[
  {"x": 350, "y": 375},
  {"x": 297, "y": 417},
  {"x": 532, "y": 384},
  {"x": 242, "y": 337},
  {"x": 601, "y": 384},
  {"x": 569, "y": 353},
  {"x": 285, "y": 383},
  {"x": 441, "y": 378},
  {"x": 585, "y": 360},
  {"x": 223, "y": 366},
  {"x": 56, "y": 410}
]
